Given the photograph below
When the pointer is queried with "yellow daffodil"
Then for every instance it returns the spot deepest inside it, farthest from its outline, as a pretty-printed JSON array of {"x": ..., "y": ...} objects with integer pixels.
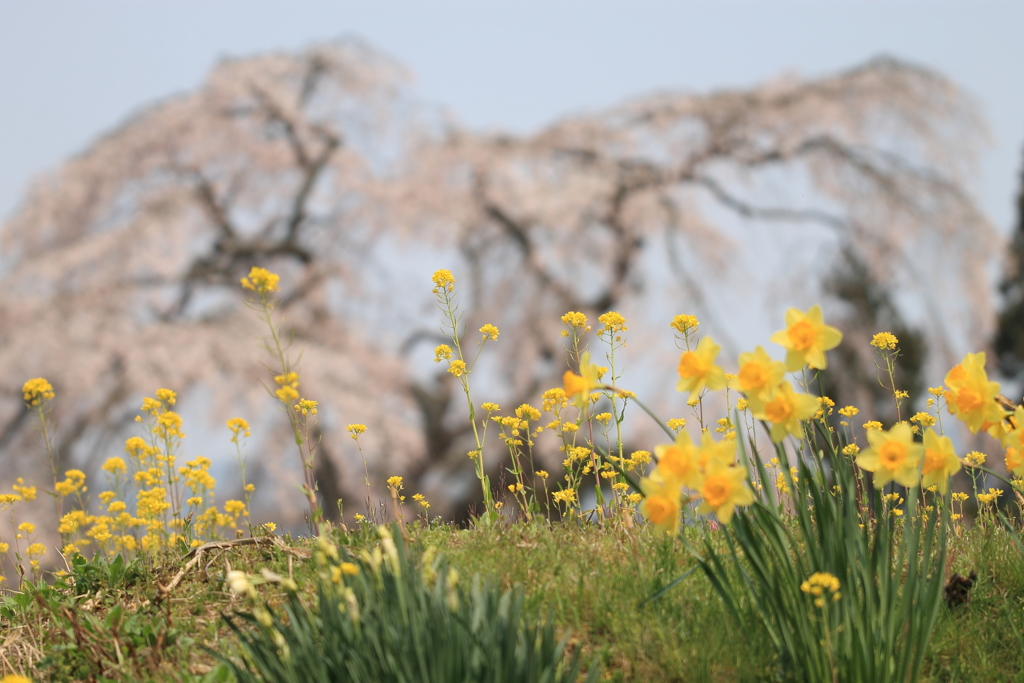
[
  {"x": 1015, "y": 460},
  {"x": 785, "y": 409},
  {"x": 697, "y": 369},
  {"x": 661, "y": 503},
  {"x": 971, "y": 396},
  {"x": 940, "y": 461},
  {"x": 806, "y": 339},
  {"x": 893, "y": 456},
  {"x": 583, "y": 384},
  {"x": 724, "y": 487},
  {"x": 757, "y": 375},
  {"x": 679, "y": 462},
  {"x": 723, "y": 452}
]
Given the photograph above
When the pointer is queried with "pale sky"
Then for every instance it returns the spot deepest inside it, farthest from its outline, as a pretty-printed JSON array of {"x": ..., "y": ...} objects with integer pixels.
[{"x": 71, "y": 70}]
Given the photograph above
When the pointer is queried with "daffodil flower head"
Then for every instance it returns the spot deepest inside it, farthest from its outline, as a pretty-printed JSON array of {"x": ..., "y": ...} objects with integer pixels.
[
  {"x": 724, "y": 487},
  {"x": 893, "y": 456},
  {"x": 679, "y": 462},
  {"x": 697, "y": 369},
  {"x": 1015, "y": 460},
  {"x": 758, "y": 375},
  {"x": 582, "y": 385},
  {"x": 971, "y": 396},
  {"x": 940, "y": 461},
  {"x": 661, "y": 503},
  {"x": 785, "y": 410},
  {"x": 806, "y": 339},
  {"x": 723, "y": 452}
]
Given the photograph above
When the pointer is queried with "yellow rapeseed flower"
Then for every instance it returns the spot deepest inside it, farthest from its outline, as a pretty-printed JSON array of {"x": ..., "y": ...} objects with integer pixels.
[
  {"x": 893, "y": 456},
  {"x": 26, "y": 492},
  {"x": 940, "y": 461},
  {"x": 355, "y": 430},
  {"x": 238, "y": 427},
  {"x": 684, "y": 324},
  {"x": 806, "y": 339},
  {"x": 37, "y": 390},
  {"x": 395, "y": 483},
  {"x": 261, "y": 281},
  {"x": 457, "y": 368},
  {"x": 443, "y": 281},
  {"x": 306, "y": 407},
  {"x": 885, "y": 341},
  {"x": 697, "y": 369},
  {"x": 115, "y": 466},
  {"x": 489, "y": 331},
  {"x": 613, "y": 322}
]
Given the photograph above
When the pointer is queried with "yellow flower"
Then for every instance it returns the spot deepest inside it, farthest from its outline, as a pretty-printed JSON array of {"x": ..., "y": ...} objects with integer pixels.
[
  {"x": 724, "y": 487},
  {"x": 697, "y": 369},
  {"x": 261, "y": 281},
  {"x": 490, "y": 332},
  {"x": 457, "y": 368},
  {"x": 15, "y": 678},
  {"x": 785, "y": 409},
  {"x": 684, "y": 323},
  {"x": 36, "y": 550},
  {"x": 583, "y": 384},
  {"x": 26, "y": 492},
  {"x": 923, "y": 419},
  {"x": 757, "y": 375},
  {"x": 566, "y": 496},
  {"x": 872, "y": 425},
  {"x": 885, "y": 341},
  {"x": 940, "y": 461},
  {"x": 676, "y": 423},
  {"x": 27, "y": 527},
  {"x": 287, "y": 394},
  {"x": 848, "y": 411},
  {"x": 37, "y": 390},
  {"x": 893, "y": 456},
  {"x": 575, "y": 320},
  {"x": 443, "y": 281},
  {"x": 238, "y": 426},
  {"x": 971, "y": 396},
  {"x": 115, "y": 465},
  {"x": 975, "y": 458},
  {"x": 806, "y": 339},
  {"x": 613, "y": 322},
  {"x": 816, "y": 586},
  {"x": 442, "y": 352},
  {"x": 1015, "y": 460},
  {"x": 306, "y": 407},
  {"x": 679, "y": 462},
  {"x": 661, "y": 504},
  {"x": 349, "y": 568},
  {"x": 395, "y": 483},
  {"x": 527, "y": 412}
]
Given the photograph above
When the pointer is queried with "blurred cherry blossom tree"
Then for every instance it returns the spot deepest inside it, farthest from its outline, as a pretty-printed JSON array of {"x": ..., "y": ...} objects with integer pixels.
[{"x": 121, "y": 268}]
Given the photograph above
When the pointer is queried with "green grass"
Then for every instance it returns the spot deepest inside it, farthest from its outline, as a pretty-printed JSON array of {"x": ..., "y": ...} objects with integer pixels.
[{"x": 596, "y": 582}]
